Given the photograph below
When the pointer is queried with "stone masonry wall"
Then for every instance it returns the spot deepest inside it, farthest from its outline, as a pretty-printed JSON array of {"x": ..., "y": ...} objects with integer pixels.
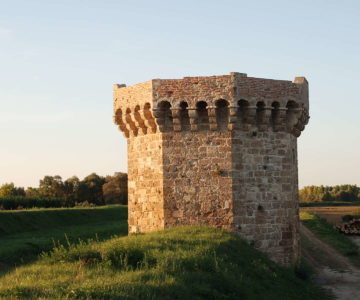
[
  {"x": 145, "y": 183},
  {"x": 197, "y": 190},
  {"x": 265, "y": 192}
]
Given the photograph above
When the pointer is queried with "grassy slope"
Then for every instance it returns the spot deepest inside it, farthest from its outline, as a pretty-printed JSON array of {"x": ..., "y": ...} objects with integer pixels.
[
  {"x": 25, "y": 234},
  {"x": 325, "y": 231},
  {"x": 178, "y": 263}
]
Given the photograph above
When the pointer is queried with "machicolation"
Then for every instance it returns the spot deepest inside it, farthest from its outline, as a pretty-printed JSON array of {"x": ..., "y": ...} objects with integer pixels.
[{"x": 218, "y": 150}]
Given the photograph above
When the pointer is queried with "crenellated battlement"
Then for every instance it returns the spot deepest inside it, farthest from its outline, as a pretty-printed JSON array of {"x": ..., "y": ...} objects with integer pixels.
[{"x": 212, "y": 103}]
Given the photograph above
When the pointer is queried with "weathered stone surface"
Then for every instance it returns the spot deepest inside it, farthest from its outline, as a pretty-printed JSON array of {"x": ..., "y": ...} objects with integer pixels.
[{"x": 219, "y": 150}]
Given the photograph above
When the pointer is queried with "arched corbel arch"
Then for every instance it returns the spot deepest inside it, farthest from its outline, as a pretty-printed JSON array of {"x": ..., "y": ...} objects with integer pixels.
[
  {"x": 246, "y": 113},
  {"x": 149, "y": 120},
  {"x": 242, "y": 108},
  {"x": 118, "y": 119},
  {"x": 263, "y": 115},
  {"x": 163, "y": 116},
  {"x": 260, "y": 111},
  {"x": 222, "y": 114},
  {"x": 130, "y": 123},
  {"x": 184, "y": 116},
  {"x": 278, "y": 116},
  {"x": 293, "y": 115},
  {"x": 202, "y": 115},
  {"x": 140, "y": 121}
]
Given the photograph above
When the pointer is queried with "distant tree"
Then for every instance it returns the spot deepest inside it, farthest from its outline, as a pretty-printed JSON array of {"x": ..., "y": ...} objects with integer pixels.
[
  {"x": 10, "y": 190},
  {"x": 327, "y": 197},
  {"x": 52, "y": 187},
  {"x": 90, "y": 189},
  {"x": 115, "y": 189},
  {"x": 32, "y": 192},
  {"x": 348, "y": 193},
  {"x": 347, "y": 196},
  {"x": 71, "y": 189},
  {"x": 93, "y": 189}
]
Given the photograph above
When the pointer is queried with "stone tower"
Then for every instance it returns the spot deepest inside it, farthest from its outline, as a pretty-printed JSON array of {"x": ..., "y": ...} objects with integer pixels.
[{"x": 218, "y": 150}]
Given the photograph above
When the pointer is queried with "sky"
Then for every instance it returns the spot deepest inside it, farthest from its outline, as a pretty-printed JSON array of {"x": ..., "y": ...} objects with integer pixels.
[{"x": 59, "y": 60}]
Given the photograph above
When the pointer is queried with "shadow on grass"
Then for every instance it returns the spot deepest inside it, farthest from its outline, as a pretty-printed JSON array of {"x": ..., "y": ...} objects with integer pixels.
[
  {"x": 24, "y": 235},
  {"x": 22, "y": 249}
]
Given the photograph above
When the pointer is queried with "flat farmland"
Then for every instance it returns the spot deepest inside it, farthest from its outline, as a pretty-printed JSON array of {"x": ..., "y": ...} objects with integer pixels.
[{"x": 333, "y": 214}]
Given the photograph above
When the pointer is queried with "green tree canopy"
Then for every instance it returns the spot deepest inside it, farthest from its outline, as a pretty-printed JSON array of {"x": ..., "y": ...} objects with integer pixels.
[
  {"x": 52, "y": 186},
  {"x": 90, "y": 189},
  {"x": 115, "y": 189},
  {"x": 10, "y": 190},
  {"x": 341, "y": 193}
]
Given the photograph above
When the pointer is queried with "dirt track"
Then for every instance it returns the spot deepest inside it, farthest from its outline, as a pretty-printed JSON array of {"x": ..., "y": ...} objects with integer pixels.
[{"x": 334, "y": 271}]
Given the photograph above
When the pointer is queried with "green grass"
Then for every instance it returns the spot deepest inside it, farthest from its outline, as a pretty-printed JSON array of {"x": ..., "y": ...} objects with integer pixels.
[
  {"x": 326, "y": 232},
  {"x": 25, "y": 234},
  {"x": 178, "y": 263}
]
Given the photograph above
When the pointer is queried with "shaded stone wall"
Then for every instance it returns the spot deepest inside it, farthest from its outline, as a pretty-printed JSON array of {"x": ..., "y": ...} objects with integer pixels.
[{"x": 265, "y": 192}]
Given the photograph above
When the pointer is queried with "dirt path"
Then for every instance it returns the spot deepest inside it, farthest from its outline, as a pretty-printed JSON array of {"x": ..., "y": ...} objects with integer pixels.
[{"x": 334, "y": 271}]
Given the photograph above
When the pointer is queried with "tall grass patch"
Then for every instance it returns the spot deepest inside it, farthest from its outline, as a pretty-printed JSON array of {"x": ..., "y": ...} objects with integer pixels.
[{"x": 178, "y": 263}]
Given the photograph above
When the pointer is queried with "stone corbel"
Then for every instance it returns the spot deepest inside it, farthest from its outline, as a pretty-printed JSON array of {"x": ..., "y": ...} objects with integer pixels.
[
  {"x": 293, "y": 116},
  {"x": 176, "y": 115},
  {"x": 130, "y": 123},
  {"x": 232, "y": 117},
  {"x": 159, "y": 118},
  {"x": 193, "y": 118},
  {"x": 118, "y": 120},
  {"x": 303, "y": 120},
  {"x": 279, "y": 117},
  {"x": 249, "y": 116},
  {"x": 139, "y": 121},
  {"x": 264, "y": 116},
  {"x": 149, "y": 120},
  {"x": 212, "y": 117}
]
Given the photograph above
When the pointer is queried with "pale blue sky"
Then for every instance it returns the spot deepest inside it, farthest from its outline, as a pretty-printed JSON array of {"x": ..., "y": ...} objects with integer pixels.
[{"x": 59, "y": 59}]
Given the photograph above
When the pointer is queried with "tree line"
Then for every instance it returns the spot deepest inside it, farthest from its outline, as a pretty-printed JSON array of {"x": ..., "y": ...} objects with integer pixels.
[
  {"x": 92, "y": 190},
  {"x": 337, "y": 193}
]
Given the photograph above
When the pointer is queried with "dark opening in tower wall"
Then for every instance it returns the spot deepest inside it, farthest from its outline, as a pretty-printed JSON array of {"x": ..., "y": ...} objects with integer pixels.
[{"x": 222, "y": 114}]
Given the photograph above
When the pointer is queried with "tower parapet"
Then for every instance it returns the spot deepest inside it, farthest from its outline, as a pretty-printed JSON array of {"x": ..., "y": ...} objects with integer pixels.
[
  {"x": 218, "y": 150},
  {"x": 226, "y": 102}
]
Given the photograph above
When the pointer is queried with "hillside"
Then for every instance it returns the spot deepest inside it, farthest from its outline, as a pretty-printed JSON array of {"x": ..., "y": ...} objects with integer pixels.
[
  {"x": 25, "y": 234},
  {"x": 178, "y": 263}
]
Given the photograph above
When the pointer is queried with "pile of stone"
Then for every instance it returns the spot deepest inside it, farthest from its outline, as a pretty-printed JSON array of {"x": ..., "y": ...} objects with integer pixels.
[{"x": 351, "y": 228}]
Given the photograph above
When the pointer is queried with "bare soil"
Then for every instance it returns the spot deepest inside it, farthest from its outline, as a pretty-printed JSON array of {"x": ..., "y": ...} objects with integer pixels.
[{"x": 333, "y": 270}]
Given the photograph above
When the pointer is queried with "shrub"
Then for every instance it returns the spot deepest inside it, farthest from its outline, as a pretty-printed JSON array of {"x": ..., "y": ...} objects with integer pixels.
[
  {"x": 347, "y": 218},
  {"x": 9, "y": 203}
]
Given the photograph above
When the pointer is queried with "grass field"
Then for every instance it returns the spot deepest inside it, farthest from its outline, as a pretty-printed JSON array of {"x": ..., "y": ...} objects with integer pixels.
[
  {"x": 25, "y": 234},
  {"x": 326, "y": 232},
  {"x": 178, "y": 263}
]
